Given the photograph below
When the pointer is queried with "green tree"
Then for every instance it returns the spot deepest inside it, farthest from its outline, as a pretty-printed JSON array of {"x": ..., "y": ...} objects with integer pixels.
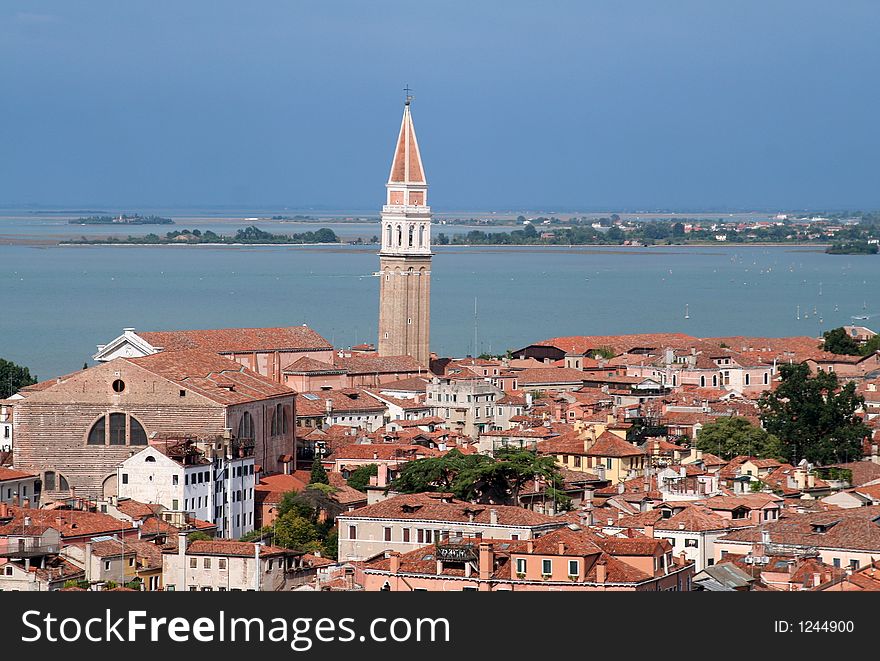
[
  {"x": 838, "y": 341},
  {"x": 13, "y": 377},
  {"x": 478, "y": 477},
  {"x": 319, "y": 497},
  {"x": 294, "y": 532},
  {"x": 502, "y": 480},
  {"x": 729, "y": 437},
  {"x": 615, "y": 235},
  {"x": 434, "y": 473},
  {"x": 360, "y": 476},
  {"x": 319, "y": 475},
  {"x": 331, "y": 544},
  {"x": 198, "y": 536},
  {"x": 871, "y": 346},
  {"x": 814, "y": 417},
  {"x": 291, "y": 501}
]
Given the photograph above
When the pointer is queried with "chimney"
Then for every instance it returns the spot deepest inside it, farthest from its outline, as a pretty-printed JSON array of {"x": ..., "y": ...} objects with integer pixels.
[
  {"x": 487, "y": 561},
  {"x": 88, "y": 562},
  {"x": 493, "y": 516},
  {"x": 530, "y": 547},
  {"x": 258, "y": 547},
  {"x": 382, "y": 475},
  {"x": 26, "y": 503},
  {"x": 649, "y": 530},
  {"x": 560, "y": 548},
  {"x": 395, "y": 561},
  {"x": 755, "y": 516},
  {"x": 4, "y": 511},
  {"x": 682, "y": 558},
  {"x": 181, "y": 558},
  {"x": 600, "y": 571},
  {"x": 817, "y": 579}
]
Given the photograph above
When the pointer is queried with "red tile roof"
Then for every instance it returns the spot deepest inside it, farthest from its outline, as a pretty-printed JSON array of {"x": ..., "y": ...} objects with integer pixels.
[
  {"x": 12, "y": 474},
  {"x": 374, "y": 364},
  {"x": 545, "y": 375},
  {"x": 70, "y": 523},
  {"x": 219, "y": 379},
  {"x": 610, "y": 445},
  {"x": 856, "y": 529},
  {"x": 434, "y": 507},
  {"x": 239, "y": 340},
  {"x": 230, "y": 548}
]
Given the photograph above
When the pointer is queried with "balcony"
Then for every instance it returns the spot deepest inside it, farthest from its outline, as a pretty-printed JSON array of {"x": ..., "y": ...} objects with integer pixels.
[{"x": 408, "y": 209}]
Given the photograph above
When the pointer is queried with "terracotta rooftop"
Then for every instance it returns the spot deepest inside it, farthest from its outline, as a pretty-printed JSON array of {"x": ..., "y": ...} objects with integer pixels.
[
  {"x": 437, "y": 507},
  {"x": 239, "y": 340},
  {"x": 219, "y": 379},
  {"x": 857, "y": 529},
  {"x": 70, "y": 523},
  {"x": 306, "y": 365},
  {"x": 611, "y": 445},
  {"x": 12, "y": 474},
  {"x": 230, "y": 548},
  {"x": 372, "y": 364},
  {"x": 544, "y": 375}
]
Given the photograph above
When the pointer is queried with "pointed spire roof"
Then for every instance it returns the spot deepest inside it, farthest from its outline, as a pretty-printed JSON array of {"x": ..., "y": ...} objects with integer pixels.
[{"x": 406, "y": 168}]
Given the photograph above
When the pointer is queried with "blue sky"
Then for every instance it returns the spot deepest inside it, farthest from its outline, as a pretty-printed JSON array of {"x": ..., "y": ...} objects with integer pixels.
[{"x": 581, "y": 105}]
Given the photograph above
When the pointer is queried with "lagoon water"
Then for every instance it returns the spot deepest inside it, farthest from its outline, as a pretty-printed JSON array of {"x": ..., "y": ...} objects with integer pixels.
[{"x": 61, "y": 301}]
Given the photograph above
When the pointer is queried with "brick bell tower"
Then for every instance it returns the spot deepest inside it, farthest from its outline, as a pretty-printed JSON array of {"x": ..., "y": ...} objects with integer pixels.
[{"x": 405, "y": 257}]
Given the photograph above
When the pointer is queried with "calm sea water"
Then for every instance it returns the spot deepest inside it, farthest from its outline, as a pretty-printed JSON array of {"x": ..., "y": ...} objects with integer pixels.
[{"x": 59, "y": 302}]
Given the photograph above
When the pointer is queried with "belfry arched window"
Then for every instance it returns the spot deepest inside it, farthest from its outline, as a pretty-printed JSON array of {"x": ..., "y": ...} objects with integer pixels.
[
  {"x": 412, "y": 231},
  {"x": 421, "y": 236},
  {"x": 388, "y": 235},
  {"x": 399, "y": 235}
]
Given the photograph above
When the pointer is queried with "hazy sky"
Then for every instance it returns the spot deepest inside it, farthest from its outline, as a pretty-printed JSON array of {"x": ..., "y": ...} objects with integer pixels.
[{"x": 542, "y": 105}]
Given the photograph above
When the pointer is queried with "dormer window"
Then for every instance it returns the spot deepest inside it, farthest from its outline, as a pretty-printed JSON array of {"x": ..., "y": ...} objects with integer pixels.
[{"x": 823, "y": 526}]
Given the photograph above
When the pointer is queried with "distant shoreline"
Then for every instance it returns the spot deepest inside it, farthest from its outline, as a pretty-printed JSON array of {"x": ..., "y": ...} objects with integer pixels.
[{"x": 450, "y": 245}]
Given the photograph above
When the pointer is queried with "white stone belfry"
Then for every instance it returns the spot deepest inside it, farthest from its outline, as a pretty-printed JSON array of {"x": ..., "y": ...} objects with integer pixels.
[{"x": 405, "y": 257}]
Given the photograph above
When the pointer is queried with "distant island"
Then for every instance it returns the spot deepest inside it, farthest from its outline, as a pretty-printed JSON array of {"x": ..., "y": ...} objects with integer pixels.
[
  {"x": 248, "y": 235},
  {"x": 852, "y": 248},
  {"x": 852, "y": 233},
  {"x": 121, "y": 219}
]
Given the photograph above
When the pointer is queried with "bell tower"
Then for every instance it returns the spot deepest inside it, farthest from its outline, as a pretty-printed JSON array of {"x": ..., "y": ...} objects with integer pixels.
[{"x": 405, "y": 257}]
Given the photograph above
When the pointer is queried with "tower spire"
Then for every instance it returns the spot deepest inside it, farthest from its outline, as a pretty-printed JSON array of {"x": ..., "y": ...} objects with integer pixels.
[{"x": 406, "y": 166}]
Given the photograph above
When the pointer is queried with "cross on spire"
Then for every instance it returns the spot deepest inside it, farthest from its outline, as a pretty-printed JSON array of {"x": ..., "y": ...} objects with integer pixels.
[{"x": 407, "y": 90}]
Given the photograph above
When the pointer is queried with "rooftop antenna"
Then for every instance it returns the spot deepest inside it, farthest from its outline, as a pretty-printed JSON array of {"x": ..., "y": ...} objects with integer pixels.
[{"x": 475, "y": 330}]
